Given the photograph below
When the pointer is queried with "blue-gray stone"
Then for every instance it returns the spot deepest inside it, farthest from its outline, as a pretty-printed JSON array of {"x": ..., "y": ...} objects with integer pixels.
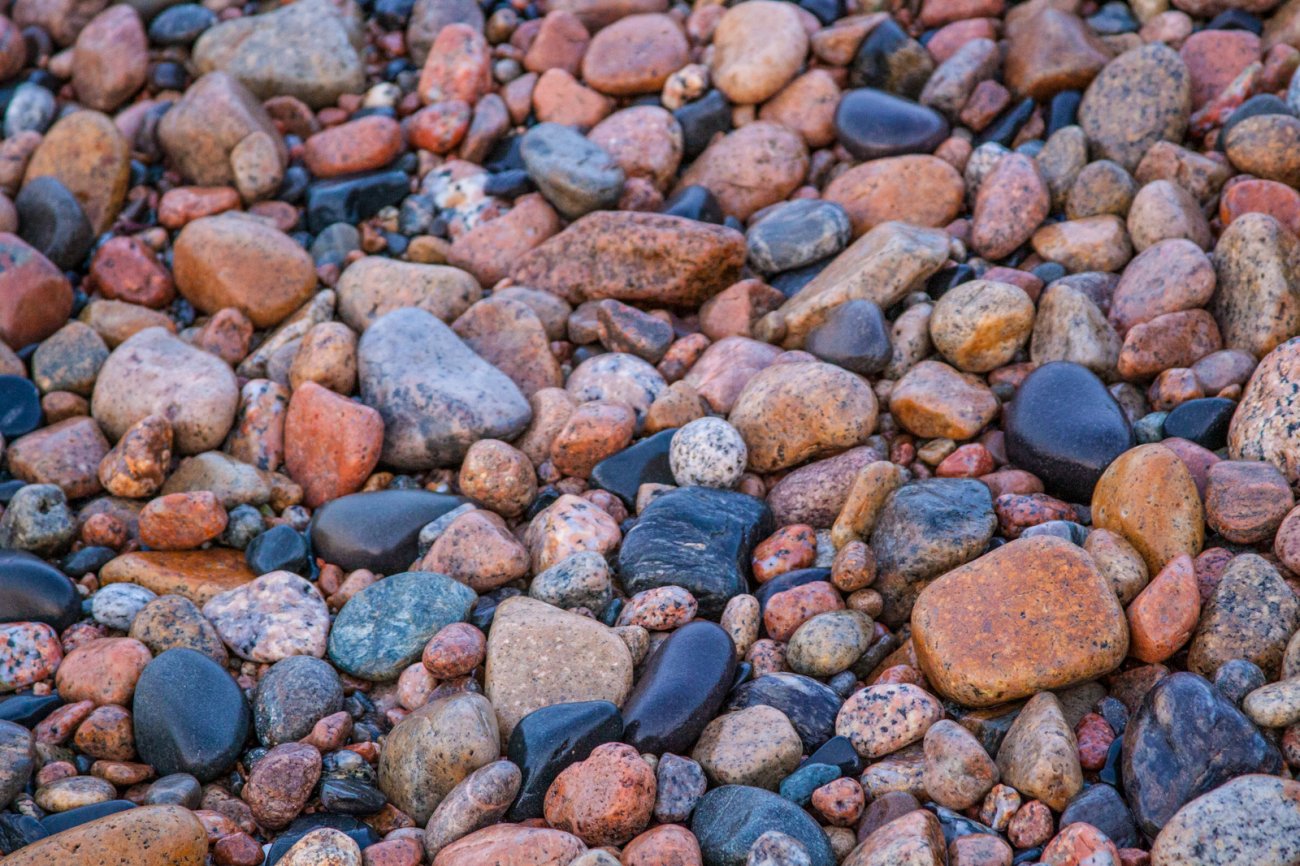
[
  {"x": 292, "y": 697},
  {"x": 797, "y": 233},
  {"x": 573, "y": 173},
  {"x": 810, "y": 705},
  {"x": 730, "y": 819},
  {"x": 798, "y": 787}
]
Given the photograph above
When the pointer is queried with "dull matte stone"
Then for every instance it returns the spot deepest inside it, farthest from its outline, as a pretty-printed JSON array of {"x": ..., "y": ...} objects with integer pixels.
[
  {"x": 32, "y": 590},
  {"x": 379, "y": 531},
  {"x": 551, "y": 738},
  {"x": 180, "y": 25},
  {"x": 680, "y": 689},
  {"x": 28, "y": 710},
  {"x": 696, "y": 203},
  {"x": 1102, "y": 806},
  {"x": 280, "y": 548},
  {"x": 797, "y": 233},
  {"x": 700, "y": 121},
  {"x": 855, "y": 336},
  {"x": 729, "y": 819}
]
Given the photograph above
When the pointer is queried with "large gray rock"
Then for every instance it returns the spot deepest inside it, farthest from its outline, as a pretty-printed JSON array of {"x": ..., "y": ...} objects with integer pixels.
[
  {"x": 435, "y": 395},
  {"x": 573, "y": 173}
]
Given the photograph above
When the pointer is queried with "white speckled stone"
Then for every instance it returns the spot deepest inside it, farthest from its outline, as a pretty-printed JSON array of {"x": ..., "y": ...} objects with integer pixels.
[
  {"x": 707, "y": 452},
  {"x": 117, "y": 604},
  {"x": 276, "y": 616}
]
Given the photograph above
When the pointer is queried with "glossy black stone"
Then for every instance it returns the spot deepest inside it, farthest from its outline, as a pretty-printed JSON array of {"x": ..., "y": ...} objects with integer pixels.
[
  {"x": 393, "y": 14},
  {"x": 1110, "y": 771},
  {"x": 1004, "y": 128},
  {"x": 873, "y": 64},
  {"x": 1063, "y": 110},
  {"x": 27, "y": 709},
  {"x": 190, "y": 715},
  {"x": 696, "y": 203},
  {"x": 788, "y": 580},
  {"x": 79, "y": 563},
  {"x": 280, "y": 548},
  {"x": 486, "y": 607},
  {"x": 854, "y": 336},
  {"x": 1236, "y": 19},
  {"x": 353, "y": 199},
  {"x": 810, "y": 705},
  {"x": 1264, "y": 103},
  {"x": 19, "y": 831},
  {"x": 645, "y": 462},
  {"x": 944, "y": 281},
  {"x": 729, "y": 819},
  {"x": 1104, "y": 808},
  {"x": 839, "y": 753},
  {"x": 60, "y": 821},
  {"x": 20, "y": 406},
  {"x": 1066, "y": 428},
  {"x": 872, "y": 124},
  {"x": 353, "y": 827},
  {"x": 351, "y": 797},
  {"x": 379, "y": 531},
  {"x": 32, "y": 590},
  {"x": 1185, "y": 739},
  {"x": 698, "y": 538},
  {"x": 509, "y": 184},
  {"x": 701, "y": 120},
  {"x": 181, "y": 25},
  {"x": 680, "y": 689},
  {"x": 549, "y": 739},
  {"x": 1204, "y": 421},
  {"x": 51, "y": 219}
]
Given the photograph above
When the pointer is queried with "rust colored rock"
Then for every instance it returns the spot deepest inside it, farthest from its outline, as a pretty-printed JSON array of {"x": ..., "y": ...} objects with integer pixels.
[
  {"x": 235, "y": 261},
  {"x": 103, "y": 671},
  {"x": 1214, "y": 58},
  {"x": 202, "y": 129},
  {"x": 360, "y": 145},
  {"x": 665, "y": 845},
  {"x": 914, "y": 837},
  {"x": 478, "y": 550},
  {"x": 806, "y": 105},
  {"x": 195, "y": 574},
  {"x": 67, "y": 454},
  {"x": 1097, "y": 243},
  {"x": 606, "y": 799},
  {"x": 510, "y": 845},
  {"x": 144, "y": 836},
  {"x": 281, "y": 782},
  {"x": 1034, "y": 614},
  {"x": 1254, "y": 195},
  {"x": 1164, "y": 615},
  {"x": 1167, "y": 341},
  {"x": 492, "y": 248},
  {"x": 1148, "y": 496},
  {"x": 787, "y": 610},
  {"x": 184, "y": 204},
  {"x": 1012, "y": 201},
  {"x": 635, "y": 55},
  {"x": 182, "y": 521},
  {"x": 332, "y": 444},
  {"x": 1167, "y": 277},
  {"x": 757, "y": 165},
  {"x": 560, "y": 43},
  {"x": 35, "y": 297},
  {"x": 125, "y": 269},
  {"x": 439, "y": 128},
  {"x": 111, "y": 58},
  {"x": 934, "y": 400},
  {"x": 137, "y": 465},
  {"x": 635, "y": 257},
  {"x": 1245, "y": 500},
  {"x": 1050, "y": 50},
  {"x": 458, "y": 67},
  {"x": 917, "y": 189}
]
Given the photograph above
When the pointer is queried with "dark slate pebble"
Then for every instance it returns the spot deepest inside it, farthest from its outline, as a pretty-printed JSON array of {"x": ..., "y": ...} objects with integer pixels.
[
  {"x": 797, "y": 233},
  {"x": 838, "y": 752},
  {"x": 680, "y": 689},
  {"x": 1185, "y": 739},
  {"x": 799, "y": 785},
  {"x": 1237, "y": 678},
  {"x": 790, "y": 282},
  {"x": 1103, "y": 807},
  {"x": 190, "y": 716},
  {"x": 355, "y": 198},
  {"x": 1003, "y": 131},
  {"x": 943, "y": 281},
  {"x": 810, "y": 705},
  {"x": 1236, "y": 19},
  {"x": 359, "y": 832},
  {"x": 549, "y": 739},
  {"x": 51, "y": 219},
  {"x": 701, "y": 120},
  {"x": 888, "y": 56},
  {"x": 82, "y": 562},
  {"x": 1204, "y": 421},
  {"x": 351, "y": 797},
  {"x": 292, "y": 697},
  {"x": 1063, "y": 111},
  {"x": 32, "y": 590},
  {"x": 384, "y": 628},
  {"x": 1066, "y": 428},
  {"x": 645, "y": 462},
  {"x": 19, "y": 831},
  {"x": 20, "y": 407},
  {"x": 872, "y": 124},
  {"x": 1113, "y": 19},
  {"x": 60, "y": 821},
  {"x": 280, "y": 548},
  {"x": 379, "y": 531},
  {"x": 27, "y": 709},
  {"x": 181, "y": 25},
  {"x": 486, "y": 607},
  {"x": 956, "y": 825},
  {"x": 175, "y": 789},
  {"x": 855, "y": 336},
  {"x": 698, "y": 538},
  {"x": 729, "y": 819},
  {"x": 696, "y": 203}
]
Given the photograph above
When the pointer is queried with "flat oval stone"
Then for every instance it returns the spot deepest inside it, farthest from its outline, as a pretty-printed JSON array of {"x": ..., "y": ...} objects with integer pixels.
[
  {"x": 549, "y": 739},
  {"x": 60, "y": 821},
  {"x": 190, "y": 716},
  {"x": 20, "y": 406},
  {"x": 797, "y": 233},
  {"x": 379, "y": 530},
  {"x": 809, "y": 704},
  {"x": 1251, "y": 819},
  {"x": 384, "y": 628},
  {"x": 698, "y": 538},
  {"x": 680, "y": 689},
  {"x": 872, "y": 124},
  {"x": 1068, "y": 443},
  {"x": 292, "y": 697},
  {"x": 1185, "y": 739},
  {"x": 31, "y": 590},
  {"x": 52, "y": 221},
  {"x": 1148, "y": 496},
  {"x": 730, "y": 819},
  {"x": 147, "y": 836}
]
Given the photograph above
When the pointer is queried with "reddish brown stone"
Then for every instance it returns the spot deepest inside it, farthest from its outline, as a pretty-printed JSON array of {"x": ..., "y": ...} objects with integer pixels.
[
  {"x": 103, "y": 671},
  {"x": 1245, "y": 500},
  {"x": 35, "y": 297},
  {"x": 604, "y": 800},
  {"x": 918, "y": 189},
  {"x": 332, "y": 444},
  {"x": 789, "y": 548},
  {"x": 182, "y": 521},
  {"x": 67, "y": 454},
  {"x": 458, "y": 66}
]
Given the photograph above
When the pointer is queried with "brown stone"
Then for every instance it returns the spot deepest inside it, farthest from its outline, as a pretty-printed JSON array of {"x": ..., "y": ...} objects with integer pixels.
[
  {"x": 806, "y": 105},
  {"x": 478, "y": 550},
  {"x": 757, "y": 165},
  {"x": 934, "y": 400},
  {"x": 1256, "y": 301},
  {"x": 144, "y": 836},
  {"x": 1162, "y": 210},
  {"x": 281, "y": 782},
  {"x": 981, "y": 324},
  {"x": 635, "y": 55},
  {"x": 198, "y": 575},
  {"x": 1266, "y": 146},
  {"x": 1167, "y": 277},
  {"x": 332, "y": 444},
  {"x": 1170, "y": 340},
  {"x": 644, "y": 140},
  {"x": 1148, "y": 496},
  {"x": 182, "y": 521},
  {"x": 87, "y": 154},
  {"x": 511, "y": 845},
  {"x": 757, "y": 48},
  {"x": 918, "y": 189},
  {"x": 35, "y": 297},
  {"x": 125, "y": 269},
  {"x": 560, "y": 98},
  {"x": 913, "y": 838},
  {"x": 490, "y": 249},
  {"x": 1012, "y": 201},
  {"x": 606, "y": 799},
  {"x": 1245, "y": 501},
  {"x": 202, "y": 129},
  {"x": 67, "y": 454},
  {"x": 1163, "y": 616},
  {"x": 111, "y": 58},
  {"x": 981, "y": 641},
  {"x": 1098, "y": 243},
  {"x": 1139, "y": 98},
  {"x": 360, "y": 145},
  {"x": 510, "y": 336},
  {"x": 1050, "y": 50},
  {"x": 103, "y": 671}
]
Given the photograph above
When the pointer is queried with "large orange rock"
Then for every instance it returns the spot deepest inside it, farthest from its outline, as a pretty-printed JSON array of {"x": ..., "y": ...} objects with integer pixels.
[
  {"x": 144, "y": 836},
  {"x": 332, "y": 444},
  {"x": 196, "y": 574},
  {"x": 1148, "y": 496},
  {"x": 234, "y": 261},
  {"x": 1032, "y": 615}
]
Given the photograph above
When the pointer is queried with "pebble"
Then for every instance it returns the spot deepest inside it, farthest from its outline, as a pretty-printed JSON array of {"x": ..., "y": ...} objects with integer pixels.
[
  {"x": 872, "y": 124},
  {"x": 756, "y": 746},
  {"x": 757, "y": 50},
  {"x": 574, "y": 174},
  {"x": 1122, "y": 120},
  {"x": 708, "y": 452},
  {"x": 730, "y": 819},
  {"x": 1160, "y": 521}
]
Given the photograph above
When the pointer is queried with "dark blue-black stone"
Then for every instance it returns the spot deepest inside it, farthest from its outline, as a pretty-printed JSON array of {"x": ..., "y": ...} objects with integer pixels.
[
  {"x": 351, "y": 796},
  {"x": 1063, "y": 110},
  {"x": 1204, "y": 421},
  {"x": 19, "y": 831},
  {"x": 27, "y": 709},
  {"x": 790, "y": 282},
  {"x": 509, "y": 184},
  {"x": 799, "y": 785},
  {"x": 695, "y": 203},
  {"x": 1066, "y": 428},
  {"x": 810, "y": 705},
  {"x": 701, "y": 120},
  {"x": 32, "y": 590},
  {"x": 729, "y": 819},
  {"x": 180, "y": 25},
  {"x": 190, "y": 715},
  {"x": 680, "y": 689},
  {"x": 486, "y": 607},
  {"x": 1104, "y": 808},
  {"x": 549, "y": 739},
  {"x": 79, "y": 563},
  {"x": 646, "y": 462},
  {"x": 359, "y": 832},
  {"x": 1004, "y": 128},
  {"x": 838, "y": 752},
  {"x": 855, "y": 336},
  {"x": 944, "y": 281},
  {"x": 874, "y": 63},
  {"x": 379, "y": 531},
  {"x": 51, "y": 219},
  {"x": 20, "y": 406},
  {"x": 698, "y": 538},
  {"x": 353, "y": 199},
  {"x": 393, "y": 14},
  {"x": 872, "y": 124},
  {"x": 1236, "y": 19},
  {"x": 281, "y": 548},
  {"x": 1113, "y": 19},
  {"x": 60, "y": 821},
  {"x": 825, "y": 11}
]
